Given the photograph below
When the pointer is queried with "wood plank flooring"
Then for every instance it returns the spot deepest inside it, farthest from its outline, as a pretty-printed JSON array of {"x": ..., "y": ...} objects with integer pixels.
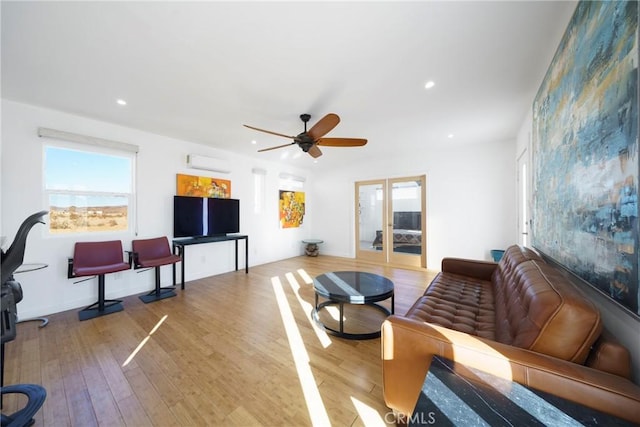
[{"x": 233, "y": 349}]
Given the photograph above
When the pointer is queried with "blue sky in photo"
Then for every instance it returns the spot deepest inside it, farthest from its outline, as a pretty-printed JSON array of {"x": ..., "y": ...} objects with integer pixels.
[{"x": 67, "y": 169}]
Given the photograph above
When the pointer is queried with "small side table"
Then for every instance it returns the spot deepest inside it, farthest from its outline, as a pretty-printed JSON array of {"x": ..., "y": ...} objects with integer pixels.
[
  {"x": 312, "y": 246},
  {"x": 24, "y": 268}
]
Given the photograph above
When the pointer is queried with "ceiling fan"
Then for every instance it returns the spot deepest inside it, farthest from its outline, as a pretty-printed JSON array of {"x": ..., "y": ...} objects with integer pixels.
[{"x": 311, "y": 139}]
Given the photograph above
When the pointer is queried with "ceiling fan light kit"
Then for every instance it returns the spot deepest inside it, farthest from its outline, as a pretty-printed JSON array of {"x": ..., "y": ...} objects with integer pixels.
[{"x": 309, "y": 140}]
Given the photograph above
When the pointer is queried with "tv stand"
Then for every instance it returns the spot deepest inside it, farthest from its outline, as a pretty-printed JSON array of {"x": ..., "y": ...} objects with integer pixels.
[{"x": 179, "y": 246}]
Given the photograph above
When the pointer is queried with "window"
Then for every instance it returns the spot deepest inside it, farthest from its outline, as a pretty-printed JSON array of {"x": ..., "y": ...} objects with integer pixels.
[
  {"x": 88, "y": 189},
  {"x": 258, "y": 189}
]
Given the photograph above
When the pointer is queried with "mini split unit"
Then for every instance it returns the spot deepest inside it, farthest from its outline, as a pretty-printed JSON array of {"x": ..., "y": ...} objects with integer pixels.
[{"x": 195, "y": 161}]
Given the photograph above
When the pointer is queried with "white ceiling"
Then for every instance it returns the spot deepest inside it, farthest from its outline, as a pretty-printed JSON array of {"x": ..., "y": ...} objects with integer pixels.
[{"x": 198, "y": 71}]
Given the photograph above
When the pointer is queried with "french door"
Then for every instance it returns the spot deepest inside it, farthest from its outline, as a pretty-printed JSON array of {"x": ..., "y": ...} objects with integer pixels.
[{"x": 391, "y": 221}]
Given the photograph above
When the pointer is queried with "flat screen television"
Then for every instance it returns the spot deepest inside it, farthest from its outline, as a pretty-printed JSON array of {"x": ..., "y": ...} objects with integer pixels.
[
  {"x": 188, "y": 216},
  {"x": 407, "y": 220},
  {"x": 201, "y": 216},
  {"x": 223, "y": 216}
]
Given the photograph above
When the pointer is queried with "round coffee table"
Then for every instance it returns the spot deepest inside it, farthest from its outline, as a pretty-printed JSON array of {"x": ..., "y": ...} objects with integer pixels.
[{"x": 351, "y": 287}]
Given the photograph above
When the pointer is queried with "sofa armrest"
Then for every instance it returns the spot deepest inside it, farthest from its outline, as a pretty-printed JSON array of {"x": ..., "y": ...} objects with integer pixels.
[
  {"x": 408, "y": 347},
  {"x": 468, "y": 267}
]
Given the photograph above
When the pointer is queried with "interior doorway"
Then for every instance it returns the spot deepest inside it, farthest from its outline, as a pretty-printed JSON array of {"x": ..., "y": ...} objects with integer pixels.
[
  {"x": 523, "y": 199},
  {"x": 391, "y": 221}
]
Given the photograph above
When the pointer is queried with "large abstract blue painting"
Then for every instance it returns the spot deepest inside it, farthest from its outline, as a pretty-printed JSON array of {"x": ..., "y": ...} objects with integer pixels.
[{"x": 585, "y": 140}]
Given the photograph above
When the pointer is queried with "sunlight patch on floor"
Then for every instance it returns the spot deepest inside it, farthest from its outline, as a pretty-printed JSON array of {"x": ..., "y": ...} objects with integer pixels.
[
  {"x": 334, "y": 312},
  {"x": 369, "y": 416},
  {"x": 305, "y": 276},
  {"x": 144, "y": 340},
  {"x": 323, "y": 337},
  {"x": 315, "y": 405},
  {"x": 497, "y": 364}
]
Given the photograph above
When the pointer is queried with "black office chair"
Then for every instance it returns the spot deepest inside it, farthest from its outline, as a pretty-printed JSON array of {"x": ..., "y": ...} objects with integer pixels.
[
  {"x": 154, "y": 253},
  {"x": 98, "y": 259},
  {"x": 13, "y": 258},
  {"x": 36, "y": 395},
  {"x": 10, "y": 296}
]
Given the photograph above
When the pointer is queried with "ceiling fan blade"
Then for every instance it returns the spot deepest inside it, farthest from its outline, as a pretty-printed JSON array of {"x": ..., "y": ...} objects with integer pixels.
[
  {"x": 342, "y": 142},
  {"x": 277, "y": 146},
  {"x": 314, "y": 151},
  {"x": 323, "y": 126},
  {"x": 268, "y": 131}
]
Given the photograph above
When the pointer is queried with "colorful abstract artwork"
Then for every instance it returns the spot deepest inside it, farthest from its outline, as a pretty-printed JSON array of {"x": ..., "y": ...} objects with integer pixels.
[
  {"x": 585, "y": 143},
  {"x": 291, "y": 208},
  {"x": 202, "y": 186}
]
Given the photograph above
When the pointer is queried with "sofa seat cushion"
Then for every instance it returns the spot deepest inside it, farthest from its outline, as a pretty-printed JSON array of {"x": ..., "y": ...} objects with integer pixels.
[
  {"x": 462, "y": 290},
  {"x": 459, "y": 303}
]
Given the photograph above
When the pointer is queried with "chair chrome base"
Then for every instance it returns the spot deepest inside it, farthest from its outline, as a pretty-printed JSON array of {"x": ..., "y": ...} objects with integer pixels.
[
  {"x": 110, "y": 306},
  {"x": 44, "y": 321},
  {"x": 159, "y": 294}
]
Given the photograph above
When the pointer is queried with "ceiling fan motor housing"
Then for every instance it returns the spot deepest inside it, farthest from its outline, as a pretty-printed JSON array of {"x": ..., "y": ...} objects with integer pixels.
[
  {"x": 304, "y": 141},
  {"x": 305, "y": 146}
]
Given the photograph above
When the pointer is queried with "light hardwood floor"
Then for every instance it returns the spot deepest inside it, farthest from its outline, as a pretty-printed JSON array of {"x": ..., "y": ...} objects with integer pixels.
[{"x": 233, "y": 349}]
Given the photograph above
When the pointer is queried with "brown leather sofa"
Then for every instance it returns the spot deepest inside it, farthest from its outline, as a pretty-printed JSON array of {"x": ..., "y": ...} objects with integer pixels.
[{"x": 519, "y": 319}]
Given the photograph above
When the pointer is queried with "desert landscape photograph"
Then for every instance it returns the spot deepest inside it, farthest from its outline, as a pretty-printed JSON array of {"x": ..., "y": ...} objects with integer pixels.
[{"x": 75, "y": 219}]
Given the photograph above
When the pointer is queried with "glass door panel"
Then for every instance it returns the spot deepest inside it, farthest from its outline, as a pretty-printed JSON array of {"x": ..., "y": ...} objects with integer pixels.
[
  {"x": 370, "y": 213},
  {"x": 406, "y": 226},
  {"x": 390, "y": 221}
]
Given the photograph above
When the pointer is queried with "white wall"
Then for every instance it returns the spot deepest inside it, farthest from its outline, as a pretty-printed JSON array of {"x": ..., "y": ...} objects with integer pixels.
[
  {"x": 470, "y": 190},
  {"x": 160, "y": 158},
  {"x": 470, "y": 205}
]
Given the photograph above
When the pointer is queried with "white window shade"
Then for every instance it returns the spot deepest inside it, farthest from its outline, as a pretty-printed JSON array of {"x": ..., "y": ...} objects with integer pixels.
[{"x": 89, "y": 140}]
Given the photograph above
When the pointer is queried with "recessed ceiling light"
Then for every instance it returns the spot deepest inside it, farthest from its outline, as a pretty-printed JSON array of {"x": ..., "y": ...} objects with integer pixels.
[
  {"x": 450, "y": 136},
  {"x": 429, "y": 84},
  {"x": 254, "y": 142},
  {"x": 121, "y": 102}
]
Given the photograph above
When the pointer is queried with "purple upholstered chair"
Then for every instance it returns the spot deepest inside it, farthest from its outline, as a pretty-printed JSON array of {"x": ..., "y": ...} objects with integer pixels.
[
  {"x": 98, "y": 259},
  {"x": 154, "y": 253}
]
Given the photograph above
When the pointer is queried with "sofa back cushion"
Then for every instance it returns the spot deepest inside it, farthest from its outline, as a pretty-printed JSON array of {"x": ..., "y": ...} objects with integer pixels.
[
  {"x": 513, "y": 256},
  {"x": 540, "y": 310},
  {"x": 504, "y": 275}
]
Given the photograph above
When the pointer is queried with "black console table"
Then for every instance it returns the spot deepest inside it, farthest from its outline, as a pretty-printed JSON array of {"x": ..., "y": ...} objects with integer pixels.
[{"x": 179, "y": 246}]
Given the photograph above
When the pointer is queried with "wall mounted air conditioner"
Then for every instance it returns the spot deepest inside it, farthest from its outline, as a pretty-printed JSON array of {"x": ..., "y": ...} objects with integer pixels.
[
  {"x": 290, "y": 177},
  {"x": 195, "y": 161}
]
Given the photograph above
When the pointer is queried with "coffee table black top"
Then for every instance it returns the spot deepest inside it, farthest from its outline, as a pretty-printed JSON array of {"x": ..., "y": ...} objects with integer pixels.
[{"x": 353, "y": 287}]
